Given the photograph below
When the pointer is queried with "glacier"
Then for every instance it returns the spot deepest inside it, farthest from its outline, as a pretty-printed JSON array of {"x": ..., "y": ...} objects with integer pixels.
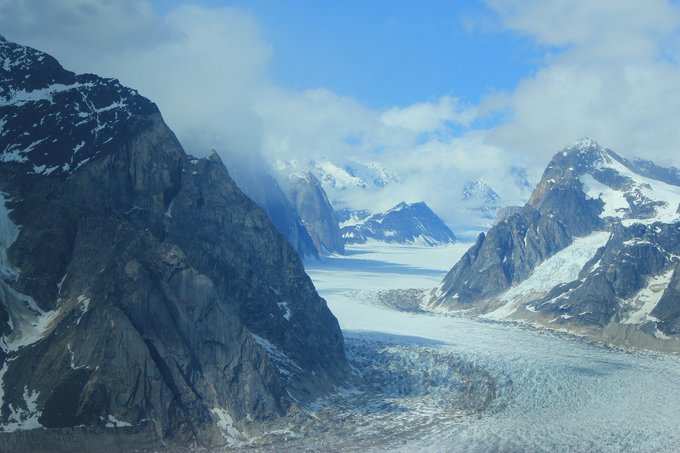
[{"x": 455, "y": 384}]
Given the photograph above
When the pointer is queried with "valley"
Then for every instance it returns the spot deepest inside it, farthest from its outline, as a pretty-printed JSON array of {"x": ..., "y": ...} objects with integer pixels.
[{"x": 552, "y": 391}]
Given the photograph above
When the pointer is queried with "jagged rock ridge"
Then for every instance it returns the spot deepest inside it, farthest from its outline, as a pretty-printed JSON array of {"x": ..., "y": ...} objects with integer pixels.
[
  {"x": 143, "y": 296},
  {"x": 255, "y": 180},
  {"x": 305, "y": 193}
]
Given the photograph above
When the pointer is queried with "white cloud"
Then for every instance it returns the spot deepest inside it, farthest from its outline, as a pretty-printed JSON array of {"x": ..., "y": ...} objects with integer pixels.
[
  {"x": 611, "y": 72},
  {"x": 615, "y": 77},
  {"x": 204, "y": 67},
  {"x": 428, "y": 116}
]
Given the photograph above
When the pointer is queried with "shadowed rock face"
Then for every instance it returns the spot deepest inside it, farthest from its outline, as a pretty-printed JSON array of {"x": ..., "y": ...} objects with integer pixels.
[
  {"x": 254, "y": 179},
  {"x": 557, "y": 212},
  {"x": 506, "y": 254},
  {"x": 140, "y": 288},
  {"x": 667, "y": 311},
  {"x": 305, "y": 193}
]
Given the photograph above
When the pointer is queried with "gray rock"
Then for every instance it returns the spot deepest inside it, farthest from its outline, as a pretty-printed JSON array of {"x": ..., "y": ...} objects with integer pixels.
[
  {"x": 505, "y": 255},
  {"x": 253, "y": 177},
  {"x": 305, "y": 193},
  {"x": 143, "y": 289},
  {"x": 667, "y": 311},
  {"x": 505, "y": 212}
]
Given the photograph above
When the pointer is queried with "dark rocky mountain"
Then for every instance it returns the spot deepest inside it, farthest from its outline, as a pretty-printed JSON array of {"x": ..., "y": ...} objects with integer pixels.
[
  {"x": 404, "y": 223},
  {"x": 595, "y": 250},
  {"x": 252, "y": 176},
  {"x": 305, "y": 193},
  {"x": 505, "y": 212},
  {"x": 143, "y": 298}
]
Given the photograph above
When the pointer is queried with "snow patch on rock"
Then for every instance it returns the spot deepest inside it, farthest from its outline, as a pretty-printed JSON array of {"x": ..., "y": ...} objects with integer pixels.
[
  {"x": 8, "y": 234},
  {"x": 113, "y": 422},
  {"x": 562, "y": 267},
  {"x": 226, "y": 424},
  {"x": 643, "y": 303},
  {"x": 21, "y": 419}
]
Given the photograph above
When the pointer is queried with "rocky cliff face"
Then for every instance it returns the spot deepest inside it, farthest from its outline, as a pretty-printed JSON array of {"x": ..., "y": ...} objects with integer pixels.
[
  {"x": 594, "y": 250},
  {"x": 405, "y": 223},
  {"x": 142, "y": 293},
  {"x": 305, "y": 193},
  {"x": 256, "y": 181}
]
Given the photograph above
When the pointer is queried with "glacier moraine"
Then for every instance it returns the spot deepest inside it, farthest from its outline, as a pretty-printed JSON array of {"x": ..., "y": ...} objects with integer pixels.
[{"x": 436, "y": 383}]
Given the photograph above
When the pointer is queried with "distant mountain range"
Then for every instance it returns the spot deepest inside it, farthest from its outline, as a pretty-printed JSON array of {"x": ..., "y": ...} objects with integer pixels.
[
  {"x": 596, "y": 250},
  {"x": 352, "y": 185},
  {"x": 307, "y": 185}
]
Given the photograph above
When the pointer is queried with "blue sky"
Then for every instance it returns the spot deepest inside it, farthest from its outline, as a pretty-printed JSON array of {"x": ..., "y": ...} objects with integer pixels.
[
  {"x": 439, "y": 91},
  {"x": 389, "y": 53}
]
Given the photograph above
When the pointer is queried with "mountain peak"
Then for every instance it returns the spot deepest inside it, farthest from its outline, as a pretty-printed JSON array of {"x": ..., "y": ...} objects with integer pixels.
[
  {"x": 585, "y": 143},
  {"x": 478, "y": 189},
  {"x": 400, "y": 206}
]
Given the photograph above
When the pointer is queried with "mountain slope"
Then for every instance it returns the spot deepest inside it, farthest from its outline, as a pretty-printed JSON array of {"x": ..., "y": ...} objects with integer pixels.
[
  {"x": 594, "y": 250},
  {"x": 143, "y": 297},
  {"x": 253, "y": 178},
  {"x": 404, "y": 223},
  {"x": 305, "y": 193}
]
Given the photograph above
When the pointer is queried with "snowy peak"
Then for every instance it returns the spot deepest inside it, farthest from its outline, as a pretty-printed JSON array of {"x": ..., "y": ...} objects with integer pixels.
[
  {"x": 585, "y": 143},
  {"x": 54, "y": 121},
  {"x": 408, "y": 223},
  {"x": 597, "y": 246},
  {"x": 481, "y": 191},
  {"x": 480, "y": 199},
  {"x": 340, "y": 178},
  {"x": 625, "y": 191}
]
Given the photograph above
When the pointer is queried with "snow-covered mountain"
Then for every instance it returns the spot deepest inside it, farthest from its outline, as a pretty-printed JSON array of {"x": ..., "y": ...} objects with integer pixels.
[
  {"x": 343, "y": 179},
  {"x": 596, "y": 250},
  {"x": 358, "y": 185},
  {"x": 405, "y": 223},
  {"x": 353, "y": 174},
  {"x": 480, "y": 199}
]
